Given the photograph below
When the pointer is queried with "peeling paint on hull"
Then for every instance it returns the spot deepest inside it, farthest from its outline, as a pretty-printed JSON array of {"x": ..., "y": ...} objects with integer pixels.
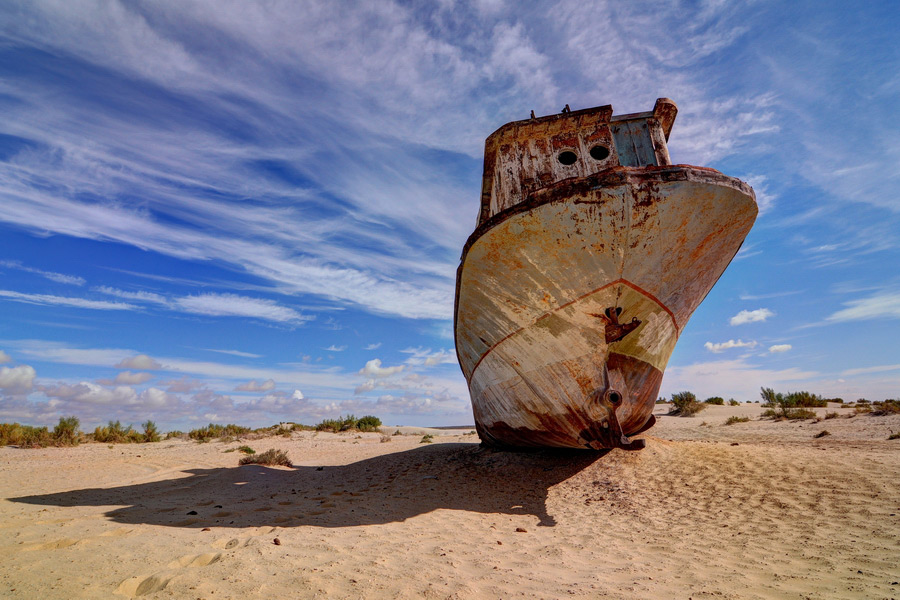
[{"x": 547, "y": 363}]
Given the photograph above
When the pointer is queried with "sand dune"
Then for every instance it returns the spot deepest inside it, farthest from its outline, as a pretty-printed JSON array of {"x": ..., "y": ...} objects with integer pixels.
[{"x": 752, "y": 510}]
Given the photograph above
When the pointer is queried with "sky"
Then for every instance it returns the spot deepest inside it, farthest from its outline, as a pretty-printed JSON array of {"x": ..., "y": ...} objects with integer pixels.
[{"x": 252, "y": 212}]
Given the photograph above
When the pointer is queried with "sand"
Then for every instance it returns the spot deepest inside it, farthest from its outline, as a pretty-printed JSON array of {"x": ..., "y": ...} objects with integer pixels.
[{"x": 752, "y": 510}]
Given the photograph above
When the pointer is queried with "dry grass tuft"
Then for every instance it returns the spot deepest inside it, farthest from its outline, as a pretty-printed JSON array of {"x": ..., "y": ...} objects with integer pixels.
[{"x": 270, "y": 457}]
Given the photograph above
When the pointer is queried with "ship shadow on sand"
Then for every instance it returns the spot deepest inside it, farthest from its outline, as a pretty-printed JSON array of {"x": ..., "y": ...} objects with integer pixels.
[{"x": 383, "y": 489}]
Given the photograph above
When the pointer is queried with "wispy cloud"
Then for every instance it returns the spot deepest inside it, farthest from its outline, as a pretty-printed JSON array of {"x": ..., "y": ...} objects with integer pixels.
[
  {"x": 50, "y": 300},
  {"x": 256, "y": 386},
  {"x": 867, "y": 370},
  {"x": 884, "y": 305},
  {"x": 751, "y": 316},
  {"x": 423, "y": 356},
  {"x": 333, "y": 348},
  {"x": 375, "y": 346},
  {"x": 52, "y": 276},
  {"x": 4, "y": 357},
  {"x": 779, "y": 348},
  {"x": 234, "y": 353},
  {"x": 232, "y": 305}
]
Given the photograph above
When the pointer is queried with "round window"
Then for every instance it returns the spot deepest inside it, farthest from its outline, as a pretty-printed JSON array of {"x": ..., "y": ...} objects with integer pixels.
[
  {"x": 599, "y": 152},
  {"x": 567, "y": 157}
]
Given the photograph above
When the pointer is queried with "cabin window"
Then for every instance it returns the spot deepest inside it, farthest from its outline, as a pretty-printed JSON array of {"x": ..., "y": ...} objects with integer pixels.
[
  {"x": 599, "y": 152},
  {"x": 567, "y": 157}
]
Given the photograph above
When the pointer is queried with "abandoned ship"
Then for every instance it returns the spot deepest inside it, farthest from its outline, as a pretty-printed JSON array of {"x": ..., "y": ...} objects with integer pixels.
[{"x": 590, "y": 253}]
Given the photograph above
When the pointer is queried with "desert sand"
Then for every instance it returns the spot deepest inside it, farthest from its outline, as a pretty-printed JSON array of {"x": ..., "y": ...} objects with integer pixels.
[{"x": 752, "y": 510}]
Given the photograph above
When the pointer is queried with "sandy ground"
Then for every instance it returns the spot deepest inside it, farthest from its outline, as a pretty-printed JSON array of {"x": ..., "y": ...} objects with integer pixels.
[{"x": 752, "y": 510}]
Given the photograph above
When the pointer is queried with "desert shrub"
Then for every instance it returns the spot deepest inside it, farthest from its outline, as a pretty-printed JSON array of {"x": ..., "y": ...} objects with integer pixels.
[
  {"x": 717, "y": 400},
  {"x": 385, "y": 438},
  {"x": 25, "y": 436},
  {"x": 269, "y": 457},
  {"x": 835, "y": 400},
  {"x": 368, "y": 423},
  {"x": 151, "y": 433},
  {"x": 66, "y": 431},
  {"x": 204, "y": 434},
  {"x": 397, "y": 432},
  {"x": 831, "y": 415},
  {"x": 733, "y": 402},
  {"x": 114, "y": 433},
  {"x": 426, "y": 439},
  {"x": 863, "y": 408},
  {"x": 894, "y": 436},
  {"x": 822, "y": 434},
  {"x": 791, "y": 405},
  {"x": 888, "y": 407},
  {"x": 174, "y": 434},
  {"x": 246, "y": 450},
  {"x": 736, "y": 419},
  {"x": 685, "y": 404},
  {"x": 348, "y": 423},
  {"x": 661, "y": 400}
]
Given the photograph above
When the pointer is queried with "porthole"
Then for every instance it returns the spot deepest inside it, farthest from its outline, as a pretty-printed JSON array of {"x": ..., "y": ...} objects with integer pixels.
[
  {"x": 567, "y": 157},
  {"x": 599, "y": 152}
]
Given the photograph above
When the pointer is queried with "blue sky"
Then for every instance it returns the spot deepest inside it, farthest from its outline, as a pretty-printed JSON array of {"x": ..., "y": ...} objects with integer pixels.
[{"x": 253, "y": 212}]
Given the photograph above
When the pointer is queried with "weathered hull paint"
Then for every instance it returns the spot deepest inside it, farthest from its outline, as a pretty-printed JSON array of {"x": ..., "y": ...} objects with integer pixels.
[{"x": 547, "y": 363}]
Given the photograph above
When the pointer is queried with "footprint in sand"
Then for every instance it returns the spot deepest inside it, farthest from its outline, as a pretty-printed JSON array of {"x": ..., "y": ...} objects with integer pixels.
[
  {"x": 139, "y": 586},
  {"x": 54, "y": 545},
  {"x": 195, "y": 560}
]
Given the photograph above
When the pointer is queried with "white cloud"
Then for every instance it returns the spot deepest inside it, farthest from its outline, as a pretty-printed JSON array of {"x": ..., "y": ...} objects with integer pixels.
[
  {"x": 297, "y": 395},
  {"x": 333, "y": 348},
  {"x": 141, "y": 361},
  {"x": 57, "y": 277},
  {"x": 722, "y": 346},
  {"x": 375, "y": 346},
  {"x": 235, "y": 353},
  {"x": 779, "y": 348},
  {"x": 374, "y": 369},
  {"x": 867, "y": 370},
  {"x": 751, "y": 316},
  {"x": 256, "y": 386},
  {"x": 233, "y": 305},
  {"x": 423, "y": 356},
  {"x": 364, "y": 387},
  {"x": 140, "y": 296},
  {"x": 4, "y": 357},
  {"x": 885, "y": 305},
  {"x": 17, "y": 380},
  {"x": 127, "y": 378},
  {"x": 50, "y": 300}
]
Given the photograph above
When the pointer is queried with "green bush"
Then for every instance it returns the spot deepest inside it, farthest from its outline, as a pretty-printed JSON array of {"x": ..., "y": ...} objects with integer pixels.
[
  {"x": 822, "y": 434},
  {"x": 204, "y": 434},
  {"x": 718, "y": 401},
  {"x": 151, "y": 433},
  {"x": 792, "y": 405},
  {"x": 368, "y": 423},
  {"x": 426, "y": 439},
  {"x": 269, "y": 457},
  {"x": 685, "y": 404},
  {"x": 733, "y": 402},
  {"x": 350, "y": 423},
  {"x": 888, "y": 407},
  {"x": 66, "y": 432},
  {"x": 831, "y": 415},
  {"x": 114, "y": 433}
]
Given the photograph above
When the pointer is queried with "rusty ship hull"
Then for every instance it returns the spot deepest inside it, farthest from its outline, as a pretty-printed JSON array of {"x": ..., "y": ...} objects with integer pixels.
[{"x": 571, "y": 293}]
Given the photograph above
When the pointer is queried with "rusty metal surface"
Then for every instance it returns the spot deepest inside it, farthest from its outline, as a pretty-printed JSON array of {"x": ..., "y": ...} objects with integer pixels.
[{"x": 570, "y": 297}]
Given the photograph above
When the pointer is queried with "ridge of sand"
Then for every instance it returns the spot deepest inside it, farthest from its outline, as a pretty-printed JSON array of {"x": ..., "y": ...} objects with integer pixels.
[{"x": 752, "y": 510}]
